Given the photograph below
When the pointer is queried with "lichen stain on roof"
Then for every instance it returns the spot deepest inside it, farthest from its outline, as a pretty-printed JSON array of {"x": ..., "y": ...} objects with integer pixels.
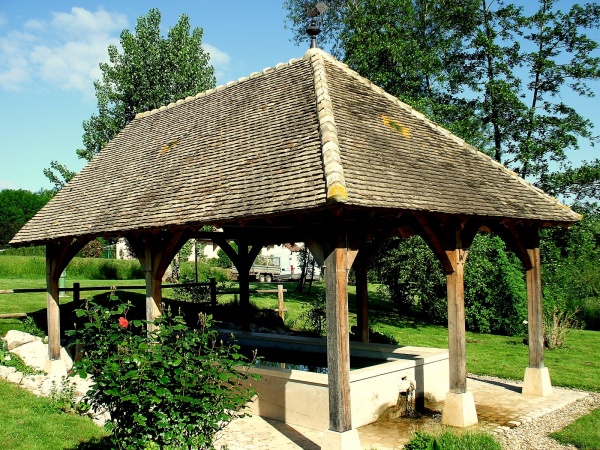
[
  {"x": 289, "y": 139},
  {"x": 404, "y": 131},
  {"x": 165, "y": 148}
]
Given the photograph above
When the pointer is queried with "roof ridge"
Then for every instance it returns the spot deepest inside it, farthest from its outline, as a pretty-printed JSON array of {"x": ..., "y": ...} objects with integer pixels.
[
  {"x": 441, "y": 129},
  {"x": 330, "y": 148},
  {"x": 219, "y": 88}
]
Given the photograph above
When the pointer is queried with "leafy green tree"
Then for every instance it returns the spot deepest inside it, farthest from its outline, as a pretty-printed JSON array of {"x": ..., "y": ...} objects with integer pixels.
[
  {"x": 16, "y": 208},
  {"x": 151, "y": 71},
  {"x": 484, "y": 69},
  {"x": 570, "y": 266}
]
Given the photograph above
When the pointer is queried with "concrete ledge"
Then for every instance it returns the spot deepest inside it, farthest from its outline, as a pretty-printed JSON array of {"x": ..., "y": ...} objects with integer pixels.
[
  {"x": 537, "y": 382},
  {"x": 348, "y": 440},
  {"x": 459, "y": 410}
]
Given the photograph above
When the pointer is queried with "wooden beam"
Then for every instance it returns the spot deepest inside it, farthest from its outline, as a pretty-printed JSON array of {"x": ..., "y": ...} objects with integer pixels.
[{"x": 434, "y": 236}]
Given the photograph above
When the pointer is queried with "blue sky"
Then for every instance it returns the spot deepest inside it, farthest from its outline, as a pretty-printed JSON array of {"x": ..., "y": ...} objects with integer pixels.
[{"x": 49, "y": 55}]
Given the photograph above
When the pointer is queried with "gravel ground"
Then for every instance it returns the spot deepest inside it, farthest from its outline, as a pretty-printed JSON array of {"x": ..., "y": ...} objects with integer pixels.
[{"x": 534, "y": 435}]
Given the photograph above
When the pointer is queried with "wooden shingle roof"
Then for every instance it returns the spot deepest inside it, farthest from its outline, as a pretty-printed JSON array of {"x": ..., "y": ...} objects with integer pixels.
[{"x": 290, "y": 139}]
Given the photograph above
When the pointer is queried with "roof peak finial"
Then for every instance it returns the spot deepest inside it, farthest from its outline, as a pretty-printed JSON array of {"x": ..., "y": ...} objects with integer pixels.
[{"x": 312, "y": 13}]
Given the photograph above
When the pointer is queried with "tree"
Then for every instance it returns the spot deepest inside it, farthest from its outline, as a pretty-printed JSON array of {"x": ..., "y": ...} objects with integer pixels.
[
  {"x": 150, "y": 72},
  {"x": 482, "y": 68},
  {"x": 16, "y": 208}
]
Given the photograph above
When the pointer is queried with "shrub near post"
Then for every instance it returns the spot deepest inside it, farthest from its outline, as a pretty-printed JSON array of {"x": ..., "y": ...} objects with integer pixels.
[{"x": 171, "y": 388}]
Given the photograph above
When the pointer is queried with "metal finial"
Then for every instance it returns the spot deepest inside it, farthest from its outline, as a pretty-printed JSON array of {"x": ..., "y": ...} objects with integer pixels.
[{"x": 313, "y": 30}]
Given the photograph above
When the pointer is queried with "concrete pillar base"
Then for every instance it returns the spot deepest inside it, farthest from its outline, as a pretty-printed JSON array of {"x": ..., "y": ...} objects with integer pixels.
[
  {"x": 55, "y": 367},
  {"x": 348, "y": 440},
  {"x": 537, "y": 382},
  {"x": 459, "y": 410}
]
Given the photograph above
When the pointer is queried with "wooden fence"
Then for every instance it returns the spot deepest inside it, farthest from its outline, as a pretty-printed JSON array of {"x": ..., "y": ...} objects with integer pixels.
[{"x": 212, "y": 284}]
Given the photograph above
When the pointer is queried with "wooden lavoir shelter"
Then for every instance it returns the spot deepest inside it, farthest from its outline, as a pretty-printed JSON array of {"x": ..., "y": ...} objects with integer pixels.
[{"x": 306, "y": 151}]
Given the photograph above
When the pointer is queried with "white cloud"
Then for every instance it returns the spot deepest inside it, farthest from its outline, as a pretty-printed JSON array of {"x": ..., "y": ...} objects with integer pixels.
[
  {"x": 63, "y": 51},
  {"x": 3, "y": 21},
  {"x": 218, "y": 58},
  {"x": 7, "y": 185}
]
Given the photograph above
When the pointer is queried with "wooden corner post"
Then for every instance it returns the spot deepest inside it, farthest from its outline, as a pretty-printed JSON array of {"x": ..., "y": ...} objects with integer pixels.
[
  {"x": 58, "y": 256},
  {"x": 537, "y": 378},
  {"x": 338, "y": 260},
  {"x": 524, "y": 240},
  {"x": 450, "y": 239},
  {"x": 53, "y": 302}
]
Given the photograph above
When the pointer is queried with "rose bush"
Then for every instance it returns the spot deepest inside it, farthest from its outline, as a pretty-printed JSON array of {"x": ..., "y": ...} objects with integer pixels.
[{"x": 172, "y": 387}]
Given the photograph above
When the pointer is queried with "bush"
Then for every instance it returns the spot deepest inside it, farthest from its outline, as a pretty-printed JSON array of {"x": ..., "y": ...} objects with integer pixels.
[
  {"x": 450, "y": 441},
  {"x": 571, "y": 267},
  {"x": 206, "y": 271},
  {"x": 39, "y": 250},
  {"x": 414, "y": 279},
  {"x": 557, "y": 324},
  {"x": 495, "y": 292},
  {"x": 173, "y": 387},
  {"x": 86, "y": 268},
  {"x": 495, "y": 289}
]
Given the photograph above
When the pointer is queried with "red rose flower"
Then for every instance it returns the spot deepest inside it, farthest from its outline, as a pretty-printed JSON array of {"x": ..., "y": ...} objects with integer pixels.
[{"x": 123, "y": 322}]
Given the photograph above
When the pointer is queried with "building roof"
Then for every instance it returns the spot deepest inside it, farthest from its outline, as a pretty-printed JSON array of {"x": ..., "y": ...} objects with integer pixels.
[{"x": 293, "y": 138}]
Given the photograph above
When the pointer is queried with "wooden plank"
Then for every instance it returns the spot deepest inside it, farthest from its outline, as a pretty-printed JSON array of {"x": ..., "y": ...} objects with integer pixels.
[
  {"x": 338, "y": 343},
  {"x": 362, "y": 302},
  {"x": 13, "y": 315},
  {"x": 280, "y": 305},
  {"x": 534, "y": 310},
  {"x": 22, "y": 290}
]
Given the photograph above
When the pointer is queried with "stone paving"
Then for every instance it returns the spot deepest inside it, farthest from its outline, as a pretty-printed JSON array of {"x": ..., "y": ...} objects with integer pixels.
[{"x": 499, "y": 404}]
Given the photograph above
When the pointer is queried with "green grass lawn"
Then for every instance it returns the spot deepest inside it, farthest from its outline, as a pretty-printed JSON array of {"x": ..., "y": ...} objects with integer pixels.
[
  {"x": 575, "y": 365},
  {"x": 584, "y": 433},
  {"x": 30, "y": 423}
]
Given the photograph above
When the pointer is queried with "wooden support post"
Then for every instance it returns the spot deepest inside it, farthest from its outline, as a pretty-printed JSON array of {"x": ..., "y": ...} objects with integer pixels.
[
  {"x": 280, "y": 306},
  {"x": 338, "y": 343},
  {"x": 213, "y": 293},
  {"x": 58, "y": 255},
  {"x": 537, "y": 378},
  {"x": 153, "y": 289},
  {"x": 534, "y": 311},
  {"x": 78, "y": 352},
  {"x": 362, "y": 302},
  {"x": 52, "y": 303},
  {"x": 340, "y": 435},
  {"x": 456, "y": 322}
]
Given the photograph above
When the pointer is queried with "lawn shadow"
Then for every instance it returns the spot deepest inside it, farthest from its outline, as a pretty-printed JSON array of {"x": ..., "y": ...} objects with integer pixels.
[{"x": 94, "y": 444}]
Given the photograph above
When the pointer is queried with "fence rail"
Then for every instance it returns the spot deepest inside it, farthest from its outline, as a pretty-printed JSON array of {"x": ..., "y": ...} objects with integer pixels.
[{"x": 212, "y": 284}]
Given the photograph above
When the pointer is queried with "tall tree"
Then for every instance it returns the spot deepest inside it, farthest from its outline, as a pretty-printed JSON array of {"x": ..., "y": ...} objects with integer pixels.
[
  {"x": 484, "y": 69},
  {"x": 151, "y": 71},
  {"x": 16, "y": 208}
]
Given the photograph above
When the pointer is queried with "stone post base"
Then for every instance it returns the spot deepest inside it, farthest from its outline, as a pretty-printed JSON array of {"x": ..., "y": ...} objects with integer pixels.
[
  {"x": 459, "y": 410},
  {"x": 537, "y": 382},
  {"x": 348, "y": 440},
  {"x": 55, "y": 367}
]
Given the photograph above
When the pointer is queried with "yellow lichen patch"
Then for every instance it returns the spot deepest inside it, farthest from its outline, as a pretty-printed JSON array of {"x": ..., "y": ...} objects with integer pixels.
[
  {"x": 165, "y": 148},
  {"x": 337, "y": 193},
  {"x": 404, "y": 131}
]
